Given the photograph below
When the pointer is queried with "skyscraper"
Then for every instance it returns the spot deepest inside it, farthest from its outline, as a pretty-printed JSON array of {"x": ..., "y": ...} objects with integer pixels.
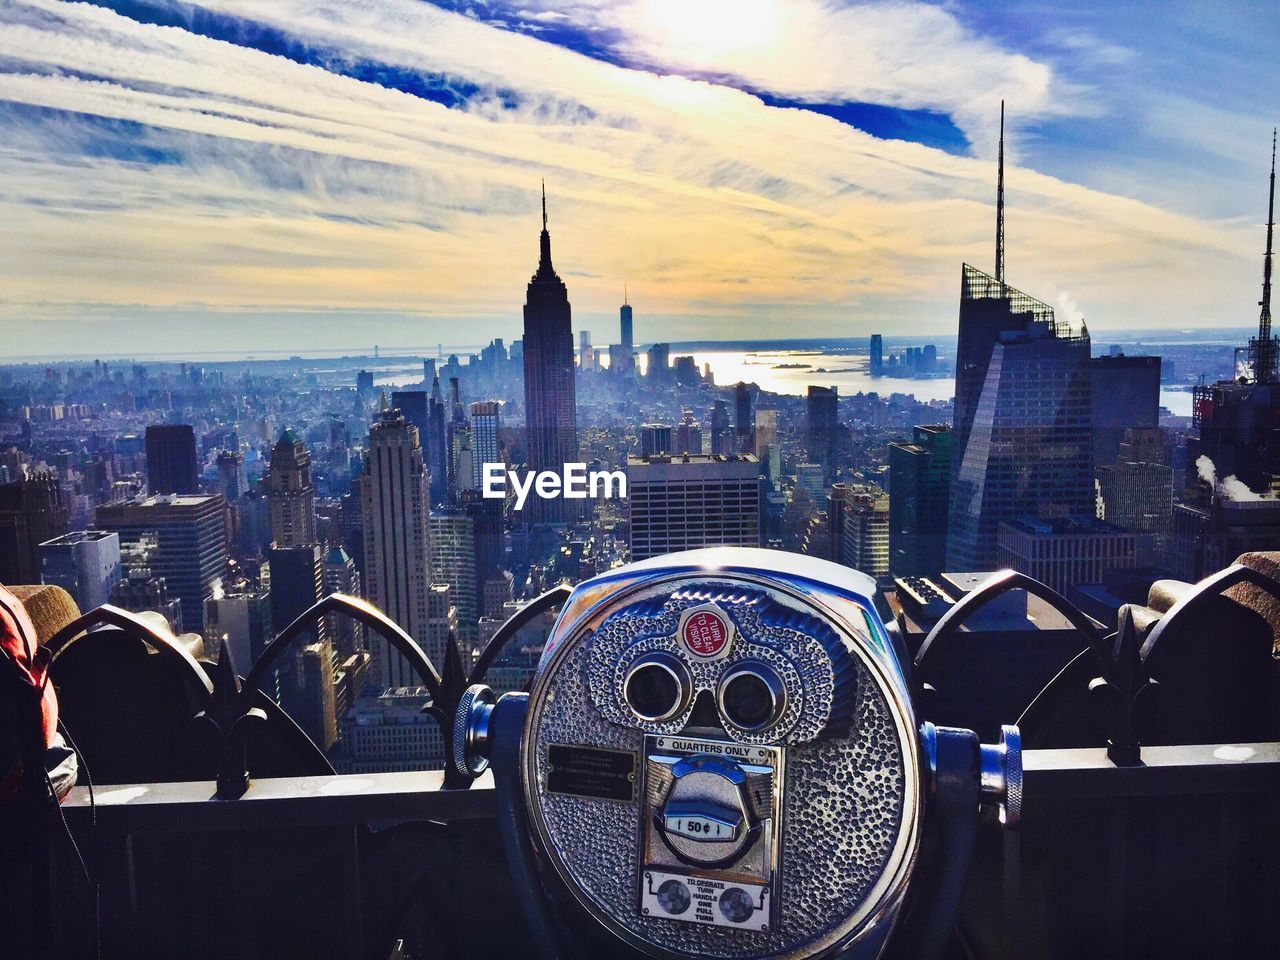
[
  {"x": 627, "y": 348},
  {"x": 877, "y": 355},
  {"x": 242, "y": 619},
  {"x": 172, "y": 464},
  {"x": 435, "y": 445},
  {"x": 688, "y": 434},
  {"x": 549, "y": 392},
  {"x": 659, "y": 369},
  {"x": 1029, "y": 451},
  {"x": 305, "y": 674},
  {"x": 683, "y": 503},
  {"x": 32, "y": 510},
  {"x": 721, "y": 432},
  {"x": 414, "y": 406},
  {"x": 1124, "y": 392},
  {"x": 453, "y": 559},
  {"x": 232, "y": 482},
  {"x": 341, "y": 576},
  {"x": 1021, "y": 445},
  {"x": 487, "y": 543},
  {"x": 393, "y": 491},
  {"x": 656, "y": 440},
  {"x": 85, "y": 563},
  {"x": 291, "y": 493},
  {"x": 191, "y": 547},
  {"x": 919, "y": 491},
  {"x": 858, "y": 528},
  {"x": 744, "y": 423},
  {"x": 822, "y": 434},
  {"x": 484, "y": 439}
]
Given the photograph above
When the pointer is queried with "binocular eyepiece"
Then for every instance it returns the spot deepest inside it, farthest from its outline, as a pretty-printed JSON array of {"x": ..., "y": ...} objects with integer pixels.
[{"x": 719, "y": 757}]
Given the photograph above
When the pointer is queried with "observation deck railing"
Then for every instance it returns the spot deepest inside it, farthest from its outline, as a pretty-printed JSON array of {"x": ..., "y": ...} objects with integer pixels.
[{"x": 1130, "y": 845}]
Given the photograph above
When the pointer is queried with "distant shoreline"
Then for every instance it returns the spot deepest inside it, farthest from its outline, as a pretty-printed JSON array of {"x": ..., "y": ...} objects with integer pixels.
[{"x": 829, "y": 345}]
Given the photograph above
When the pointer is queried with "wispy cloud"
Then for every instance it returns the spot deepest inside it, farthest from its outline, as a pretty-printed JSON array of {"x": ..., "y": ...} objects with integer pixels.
[{"x": 153, "y": 171}]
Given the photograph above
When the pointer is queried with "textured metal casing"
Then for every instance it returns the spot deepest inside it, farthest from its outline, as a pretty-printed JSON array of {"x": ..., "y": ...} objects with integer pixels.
[{"x": 852, "y": 804}]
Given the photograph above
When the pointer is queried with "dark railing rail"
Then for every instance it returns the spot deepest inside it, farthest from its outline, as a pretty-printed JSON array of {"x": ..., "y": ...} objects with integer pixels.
[{"x": 388, "y": 834}]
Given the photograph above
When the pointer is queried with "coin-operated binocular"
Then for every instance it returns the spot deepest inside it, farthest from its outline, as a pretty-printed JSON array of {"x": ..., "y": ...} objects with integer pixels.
[{"x": 719, "y": 757}]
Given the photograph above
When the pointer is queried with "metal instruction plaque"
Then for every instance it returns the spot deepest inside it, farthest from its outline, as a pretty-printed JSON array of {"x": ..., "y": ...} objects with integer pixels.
[{"x": 592, "y": 772}]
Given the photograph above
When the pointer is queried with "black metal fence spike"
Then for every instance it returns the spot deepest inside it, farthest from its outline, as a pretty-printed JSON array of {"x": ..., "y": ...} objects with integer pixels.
[{"x": 453, "y": 683}]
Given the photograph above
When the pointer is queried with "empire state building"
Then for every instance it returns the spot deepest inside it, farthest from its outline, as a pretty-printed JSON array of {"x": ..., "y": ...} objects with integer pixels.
[{"x": 549, "y": 395}]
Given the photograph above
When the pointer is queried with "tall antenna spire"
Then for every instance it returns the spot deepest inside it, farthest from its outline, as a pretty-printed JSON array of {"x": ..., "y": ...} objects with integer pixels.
[
  {"x": 1265, "y": 363},
  {"x": 545, "y": 270},
  {"x": 1000, "y": 203},
  {"x": 624, "y": 295}
]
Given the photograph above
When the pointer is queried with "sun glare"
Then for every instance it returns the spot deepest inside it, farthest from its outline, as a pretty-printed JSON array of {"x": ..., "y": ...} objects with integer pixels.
[{"x": 698, "y": 30}]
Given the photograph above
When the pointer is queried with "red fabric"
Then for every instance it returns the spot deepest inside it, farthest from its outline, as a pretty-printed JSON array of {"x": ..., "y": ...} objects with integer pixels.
[{"x": 18, "y": 638}]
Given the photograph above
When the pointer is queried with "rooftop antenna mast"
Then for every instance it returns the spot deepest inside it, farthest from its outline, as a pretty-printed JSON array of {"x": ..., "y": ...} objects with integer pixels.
[
  {"x": 1265, "y": 360},
  {"x": 1000, "y": 204}
]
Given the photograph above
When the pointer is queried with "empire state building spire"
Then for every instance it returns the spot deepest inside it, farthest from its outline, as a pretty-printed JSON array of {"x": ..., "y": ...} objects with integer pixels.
[
  {"x": 545, "y": 270},
  {"x": 999, "y": 203}
]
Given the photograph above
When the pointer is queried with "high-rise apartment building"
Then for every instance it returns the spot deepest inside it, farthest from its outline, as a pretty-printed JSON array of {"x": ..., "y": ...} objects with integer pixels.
[
  {"x": 453, "y": 559},
  {"x": 659, "y": 363},
  {"x": 656, "y": 440},
  {"x": 297, "y": 584},
  {"x": 190, "y": 544},
  {"x": 415, "y": 407},
  {"x": 32, "y": 511},
  {"x": 397, "y": 554},
  {"x": 441, "y": 624},
  {"x": 290, "y": 493},
  {"x": 688, "y": 434},
  {"x": 341, "y": 576},
  {"x": 390, "y": 733},
  {"x": 242, "y": 619},
  {"x": 172, "y": 463},
  {"x": 232, "y": 480},
  {"x": 721, "y": 433},
  {"x": 435, "y": 445},
  {"x": 744, "y": 422},
  {"x": 1125, "y": 392},
  {"x": 682, "y": 503},
  {"x": 822, "y": 430},
  {"x": 919, "y": 493},
  {"x": 1137, "y": 496},
  {"x": 1143, "y": 445},
  {"x": 85, "y": 563},
  {"x": 549, "y": 391},
  {"x": 485, "y": 447},
  {"x": 1063, "y": 552},
  {"x": 766, "y": 431},
  {"x": 488, "y": 545},
  {"x": 858, "y": 528},
  {"x": 810, "y": 482}
]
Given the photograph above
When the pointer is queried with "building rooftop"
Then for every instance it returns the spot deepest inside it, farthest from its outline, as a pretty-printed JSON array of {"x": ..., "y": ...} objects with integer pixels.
[
  {"x": 1064, "y": 526},
  {"x": 79, "y": 536}
]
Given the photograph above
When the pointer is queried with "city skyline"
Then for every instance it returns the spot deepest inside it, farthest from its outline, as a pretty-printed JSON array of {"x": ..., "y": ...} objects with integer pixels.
[{"x": 257, "y": 174}]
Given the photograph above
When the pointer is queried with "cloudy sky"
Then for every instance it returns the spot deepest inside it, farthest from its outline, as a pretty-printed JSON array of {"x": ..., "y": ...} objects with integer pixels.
[{"x": 326, "y": 174}]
